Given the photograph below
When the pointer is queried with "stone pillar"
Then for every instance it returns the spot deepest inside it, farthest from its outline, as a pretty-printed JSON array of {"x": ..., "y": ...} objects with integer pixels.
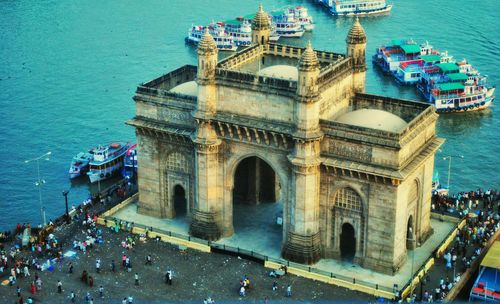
[
  {"x": 204, "y": 223},
  {"x": 302, "y": 243}
]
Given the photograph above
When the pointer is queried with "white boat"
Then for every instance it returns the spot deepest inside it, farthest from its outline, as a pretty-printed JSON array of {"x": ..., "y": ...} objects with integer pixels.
[
  {"x": 240, "y": 29},
  {"x": 108, "y": 160},
  {"x": 286, "y": 25},
  {"x": 301, "y": 15},
  {"x": 358, "y": 7},
  {"x": 223, "y": 39},
  {"x": 80, "y": 164}
]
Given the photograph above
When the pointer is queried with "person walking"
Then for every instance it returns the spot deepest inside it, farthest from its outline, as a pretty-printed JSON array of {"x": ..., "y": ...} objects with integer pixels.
[
  {"x": 91, "y": 281},
  {"x": 98, "y": 265},
  {"x": 70, "y": 267},
  {"x": 33, "y": 287},
  {"x": 59, "y": 286},
  {"x": 113, "y": 266},
  {"x": 148, "y": 260},
  {"x": 101, "y": 291},
  {"x": 289, "y": 290},
  {"x": 136, "y": 276},
  {"x": 169, "y": 275},
  {"x": 26, "y": 271},
  {"x": 72, "y": 297},
  {"x": 38, "y": 283},
  {"x": 18, "y": 290}
]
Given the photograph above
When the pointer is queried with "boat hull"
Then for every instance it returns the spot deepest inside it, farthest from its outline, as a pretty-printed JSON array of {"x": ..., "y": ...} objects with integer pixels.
[
  {"x": 384, "y": 10},
  {"x": 99, "y": 175},
  {"x": 463, "y": 110}
]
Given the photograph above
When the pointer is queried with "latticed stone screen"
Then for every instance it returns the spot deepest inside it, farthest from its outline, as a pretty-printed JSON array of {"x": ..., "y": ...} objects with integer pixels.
[
  {"x": 348, "y": 199},
  {"x": 177, "y": 162}
]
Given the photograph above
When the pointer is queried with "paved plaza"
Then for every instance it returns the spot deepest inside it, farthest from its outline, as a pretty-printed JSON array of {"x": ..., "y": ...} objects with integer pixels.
[{"x": 256, "y": 229}]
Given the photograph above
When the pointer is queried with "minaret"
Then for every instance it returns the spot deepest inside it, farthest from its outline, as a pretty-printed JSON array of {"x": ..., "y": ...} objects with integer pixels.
[
  {"x": 207, "y": 61},
  {"x": 356, "y": 48},
  {"x": 205, "y": 217},
  {"x": 302, "y": 242},
  {"x": 261, "y": 27}
]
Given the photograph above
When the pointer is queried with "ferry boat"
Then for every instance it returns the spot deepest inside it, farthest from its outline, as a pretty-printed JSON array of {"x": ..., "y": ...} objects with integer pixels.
[
  {"x": 409, "y": 72},
  {"x": 224, "y": 41},
  {"x": 240, "y": 29},
  {"x": 358, "y": 7},
  {"x": 452, "y": 91},
  {"x": 130, "y": 163},
  {"x": 486, "y": 287},
  {"x": 107, "y": 160},
  {"x": 80, "y": 164},
  {"x": 388, "y": 58},
  {"x": 301, "y": 15},
  {"x": 286, "y": 25}
]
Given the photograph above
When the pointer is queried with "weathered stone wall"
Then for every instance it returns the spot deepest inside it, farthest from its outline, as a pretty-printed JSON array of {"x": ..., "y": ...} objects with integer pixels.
[
  {"x": 334, "y": 100},
  {"x": 164, "y": 110},
  {"x": 259, "y": 104},
  {"x": 148, "y": 176}
]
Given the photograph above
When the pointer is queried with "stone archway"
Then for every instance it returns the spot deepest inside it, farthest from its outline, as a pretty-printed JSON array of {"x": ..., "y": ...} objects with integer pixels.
[
  {"x": 347, "y": 242},
  {"x": 179, "y": 201},
  {"x": 410, "y": 234},
  {"x": 257, "y": 210}
]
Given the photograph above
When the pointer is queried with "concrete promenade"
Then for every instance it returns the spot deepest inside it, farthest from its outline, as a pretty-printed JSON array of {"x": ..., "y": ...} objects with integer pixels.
[{"x": 256, "y": 229}]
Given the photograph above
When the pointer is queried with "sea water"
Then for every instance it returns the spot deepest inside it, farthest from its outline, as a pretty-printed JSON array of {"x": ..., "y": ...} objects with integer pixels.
[{"x": 69, "y": 69}]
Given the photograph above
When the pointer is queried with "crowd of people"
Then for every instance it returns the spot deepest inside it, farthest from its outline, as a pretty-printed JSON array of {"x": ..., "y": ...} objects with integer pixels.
[{"x": 481, "y": 210}]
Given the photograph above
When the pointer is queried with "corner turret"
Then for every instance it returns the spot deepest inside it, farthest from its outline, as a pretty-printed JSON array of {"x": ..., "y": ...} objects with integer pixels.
[
  {"x": 261, "y": 27},
  {"x": 356, "y": 48},
  {"x": 207, "y": 62}
]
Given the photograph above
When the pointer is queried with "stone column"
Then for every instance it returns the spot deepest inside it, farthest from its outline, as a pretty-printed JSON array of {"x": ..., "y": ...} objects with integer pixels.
[
  {"x": 302, "y": 243},
  {"x": 204, "y": 223}
]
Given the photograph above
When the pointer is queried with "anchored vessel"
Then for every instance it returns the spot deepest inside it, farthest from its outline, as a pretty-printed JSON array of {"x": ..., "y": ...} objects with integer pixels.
[
  {"x": 356, "y": 7},
  {"x": 223, "y": 39},
  {"x": 80, "y": 164},
  {"x": 107, "y": 160}
]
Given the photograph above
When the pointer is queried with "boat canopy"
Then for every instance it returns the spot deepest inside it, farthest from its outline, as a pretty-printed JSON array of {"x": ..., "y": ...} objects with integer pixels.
[
  {"x": 450, "y": 86},
  {"x": 492, "y": 257},
  {"x": 458, "y": 77},
  {"x": 448, "y": 67},
  {"x": 410, "y": 48},
  {"x": 430, "y": 58}
]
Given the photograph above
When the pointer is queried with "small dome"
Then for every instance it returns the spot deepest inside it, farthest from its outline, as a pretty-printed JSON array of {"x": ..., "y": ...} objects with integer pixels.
[
  {"x": 261, "y": 20},
  {"x": 187, "y": 88},
  {"x": 373, "y": 119},
  {"x": 280, "y": 71},
  {"x": 308, "y": 60},
  {"x": 207, "y": 44},
  {"x": 356, "y": 33}
]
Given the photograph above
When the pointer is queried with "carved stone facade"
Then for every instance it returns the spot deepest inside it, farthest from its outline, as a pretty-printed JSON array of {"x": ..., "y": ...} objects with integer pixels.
[{"x": 354, "y": 169}]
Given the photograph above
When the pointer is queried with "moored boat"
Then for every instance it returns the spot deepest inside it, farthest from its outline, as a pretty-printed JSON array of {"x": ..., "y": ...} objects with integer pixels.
[
  {"x": 358, "y": 7},
  {"x": 107, "y": 160},
  {"x": 224, "y": 41},
  {"x": 80, "y": 164},
  {"x": 130, "y": 163}
]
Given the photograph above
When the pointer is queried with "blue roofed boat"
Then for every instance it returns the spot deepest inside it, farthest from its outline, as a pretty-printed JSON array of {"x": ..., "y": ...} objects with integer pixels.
[
  {"x": 80, "y": 164},
  {"x": 487, "y": 285}
]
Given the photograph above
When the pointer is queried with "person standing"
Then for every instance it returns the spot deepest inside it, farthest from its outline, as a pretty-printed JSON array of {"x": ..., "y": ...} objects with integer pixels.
[
  {"x": 59, "y": 286},
  {"x": 91, "y": 281},
  {"x": 98, "y": 265},
  {"x": 18, "y": 290},
  {"x": 26, "y": 271},
  {"x": 113, "y": 265},
  {"x": 289, "y": 290},
  {"x": 148, "y": 260},
  {"x": 101, "y": 291},
  {"x": 70, "y": 267},
  {"x": 39, "y": 283},
  {"x": 136, "y": 276},
  {"x": 72, "y": 297},
  {"x": 169, "y": 274},
  {"x": 33, "y": 287}
]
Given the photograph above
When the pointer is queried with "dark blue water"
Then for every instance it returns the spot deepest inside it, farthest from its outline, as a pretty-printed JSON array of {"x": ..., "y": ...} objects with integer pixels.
[{"x": 69, "y": 69}]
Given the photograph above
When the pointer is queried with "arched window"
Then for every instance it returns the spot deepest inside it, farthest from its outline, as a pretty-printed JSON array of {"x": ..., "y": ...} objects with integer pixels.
[{"x": 348, "y": 199}]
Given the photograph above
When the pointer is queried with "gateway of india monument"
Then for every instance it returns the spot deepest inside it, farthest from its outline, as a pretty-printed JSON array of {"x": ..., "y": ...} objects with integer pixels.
[{"x": 280, "y": 123}]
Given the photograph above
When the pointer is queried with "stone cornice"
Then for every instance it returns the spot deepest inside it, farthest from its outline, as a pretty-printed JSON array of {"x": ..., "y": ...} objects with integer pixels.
[{"x": 152, "y": 129}]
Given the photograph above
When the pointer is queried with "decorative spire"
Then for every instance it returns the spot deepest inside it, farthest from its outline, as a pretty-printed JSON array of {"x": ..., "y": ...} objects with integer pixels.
[
  {"x": 207, "y": 44},
  {"x": 356, "y": 34},
  {"x": 308, "y": 60},
  {"x": 261, "y": 20}
]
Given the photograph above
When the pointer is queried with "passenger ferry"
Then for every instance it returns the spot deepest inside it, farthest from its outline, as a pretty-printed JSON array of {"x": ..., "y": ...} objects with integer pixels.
[
  {"x": 388, "y": 58},
  {"x": 80, "y": 164},
  {"x": 409, "y": 72},
  {"x": 358, "y": 7},
  {"x": 450, "y": 90},
  {"x": 286, "y": 24},
  {"x": 301, "y": 15},
  {"x": 107, "y": 160},
  {"x": 240, "y": 29},
  {"x": 224, "y": 41}
]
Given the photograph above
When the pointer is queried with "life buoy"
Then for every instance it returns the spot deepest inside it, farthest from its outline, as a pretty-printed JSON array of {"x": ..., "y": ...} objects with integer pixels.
[{"x": 470, "y": 107}]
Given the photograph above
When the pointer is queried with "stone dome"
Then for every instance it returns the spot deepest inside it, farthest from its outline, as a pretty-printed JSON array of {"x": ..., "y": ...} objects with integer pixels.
[
  {"x": 373, "y": 119},
  {"x": 280, "y": 71},
  {"x": 308, "y": 60},
  {"x": 187, "y": 88},
  {"x": 261, "y": 20},
  {"x": 356, "y": 33},
  {"x": 207, "y": 44}
]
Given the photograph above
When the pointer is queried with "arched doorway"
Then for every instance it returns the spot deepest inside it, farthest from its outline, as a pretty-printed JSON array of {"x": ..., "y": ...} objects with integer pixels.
[
  {"x": 410, "y": 237},
  {"x": 347, "y": 242},
  {"x": 180, "y": 202},
  {"x": 257, "y": 209}
]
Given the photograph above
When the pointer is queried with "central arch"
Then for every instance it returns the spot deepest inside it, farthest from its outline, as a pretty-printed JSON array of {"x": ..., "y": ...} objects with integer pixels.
[
  {"x": 257, "y": 206},
  {"x": 347, "y": 242}
]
